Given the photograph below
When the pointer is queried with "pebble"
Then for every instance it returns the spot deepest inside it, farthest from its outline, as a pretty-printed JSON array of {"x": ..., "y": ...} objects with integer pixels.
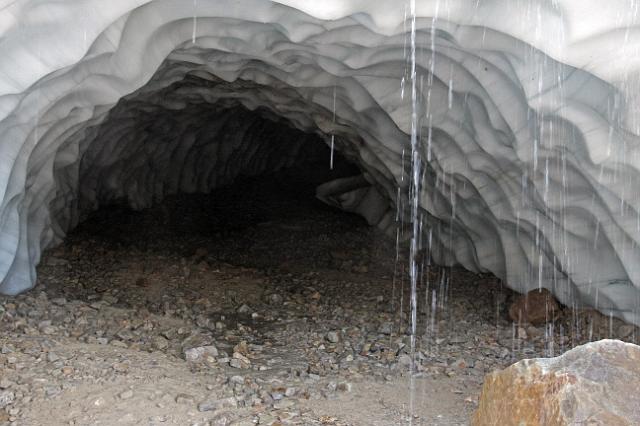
[
  {"x": 404, "y": 360},
  {"x": 244, "y": 309},
  {"x": 333, "y": 337},
  {"x": 183, "y": 398},
  {"x": 217, "y": 404},
  {"x": 6, "y": 398},
  {"x": 626, "y": 330},
  {"x": 201, "y": 353},
  {"x": 128, "y": 394}
]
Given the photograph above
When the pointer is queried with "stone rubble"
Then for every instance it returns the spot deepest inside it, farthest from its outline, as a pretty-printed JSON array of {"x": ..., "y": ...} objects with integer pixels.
[{"x": 319, "y": 331}]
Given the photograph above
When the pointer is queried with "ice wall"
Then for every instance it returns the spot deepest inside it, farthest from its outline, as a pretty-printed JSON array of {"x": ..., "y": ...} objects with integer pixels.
[{"x": 528, "y": 121}]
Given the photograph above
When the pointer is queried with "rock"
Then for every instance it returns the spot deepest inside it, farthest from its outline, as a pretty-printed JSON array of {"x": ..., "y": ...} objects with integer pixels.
[
  {"x": 52, "y": 391},
  {"x": 522, "y": 333},
  {"x": 239, "y": 361},
  {"x": 385, "y": 328},
  {"x": 183, "y": 398},
  {"x": 60, "y": 301},
  {"x": 460, "y": 363},
  {"x": 333, "y": 337},
  {"x": 344, "y": 387},
  {"x": 275, "y": 299},
  {"x": 6, "y": 398},
  {"x": 536, "y": 307},
  {"x": 598, "y": 381},
  {"x": 121, "y": 367},
  {"x": 196, "y": 340},
  {"x": 201, "y": 353},
  {"x": 160, "y": 343},
  {"x": 534, "y": 332},
  {"x": 218, "y": 404},
  {"x": 404, "y": 360},
  {"x": 126, "y": 394},
  {"x": 625, "y": 330},
  {"x": 244, "y": 309}
]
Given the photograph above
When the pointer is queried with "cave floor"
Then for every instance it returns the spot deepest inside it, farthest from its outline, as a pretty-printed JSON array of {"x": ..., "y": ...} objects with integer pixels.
[{"x": 287, "y": 310}]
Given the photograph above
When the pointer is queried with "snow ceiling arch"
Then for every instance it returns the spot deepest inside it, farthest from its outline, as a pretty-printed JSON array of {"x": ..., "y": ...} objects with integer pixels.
[{"x": 528, "y": 119}]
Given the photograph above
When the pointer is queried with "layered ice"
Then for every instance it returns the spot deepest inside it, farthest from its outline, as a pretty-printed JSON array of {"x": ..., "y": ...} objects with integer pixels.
[{"x": 528, "y": 122}]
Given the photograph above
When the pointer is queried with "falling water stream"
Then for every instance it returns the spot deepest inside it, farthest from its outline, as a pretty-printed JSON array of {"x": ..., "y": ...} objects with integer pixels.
[
  {"x": 332, "y": 134},
  {"x": 195, "y": 22},
  {"x": 414, "y": 201}
]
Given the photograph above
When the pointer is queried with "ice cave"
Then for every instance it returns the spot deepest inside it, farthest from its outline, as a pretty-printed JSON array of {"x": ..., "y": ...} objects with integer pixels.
[
  {"x": 527, "y": 123},
  {"x": 329, "y": 212}
]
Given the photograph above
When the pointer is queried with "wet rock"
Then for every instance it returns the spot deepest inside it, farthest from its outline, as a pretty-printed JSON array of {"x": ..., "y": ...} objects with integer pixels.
[
  {"x": 536, "y": 307},
  {"x": 598, "y": 381}
]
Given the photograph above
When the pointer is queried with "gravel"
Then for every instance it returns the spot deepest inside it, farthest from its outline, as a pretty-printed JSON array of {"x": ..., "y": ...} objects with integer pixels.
[{"x": 248, "y": 321}]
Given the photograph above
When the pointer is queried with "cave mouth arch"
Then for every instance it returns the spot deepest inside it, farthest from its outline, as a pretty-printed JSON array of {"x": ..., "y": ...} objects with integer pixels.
[{"x": 176, "y": 140}]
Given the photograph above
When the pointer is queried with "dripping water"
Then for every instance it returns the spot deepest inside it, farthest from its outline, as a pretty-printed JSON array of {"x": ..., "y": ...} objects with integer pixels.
[
  {"x": 333, "y": 135},
  {"x": 414, "y": 200},
  {"x": 195, "y": 22}
]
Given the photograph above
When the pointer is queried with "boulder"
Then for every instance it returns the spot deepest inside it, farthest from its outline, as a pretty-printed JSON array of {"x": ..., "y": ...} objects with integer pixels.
[{"x": 594, "y": 384}]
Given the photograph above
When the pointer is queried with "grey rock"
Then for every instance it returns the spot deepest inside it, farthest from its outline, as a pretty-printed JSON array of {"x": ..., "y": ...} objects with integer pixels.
[
  {"x": 6, "y": 398},
  {"x": 333, "y": 337},
  {"x": 202, "y": 353},
  {"x": 244, "y": 309},
  {"x": 217, "y": 404},
  {"x": 128, "y": 394}
]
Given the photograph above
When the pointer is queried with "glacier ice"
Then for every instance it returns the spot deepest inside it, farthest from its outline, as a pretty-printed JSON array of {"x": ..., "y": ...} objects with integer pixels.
[{"x": 528, "y": 119}]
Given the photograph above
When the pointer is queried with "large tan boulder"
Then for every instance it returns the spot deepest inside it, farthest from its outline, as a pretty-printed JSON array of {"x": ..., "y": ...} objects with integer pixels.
[{"x": 594, "y": 384}]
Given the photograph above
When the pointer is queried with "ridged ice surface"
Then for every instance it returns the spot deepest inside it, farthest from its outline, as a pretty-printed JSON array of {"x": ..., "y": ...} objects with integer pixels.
[{"x": 528, "y": 122}]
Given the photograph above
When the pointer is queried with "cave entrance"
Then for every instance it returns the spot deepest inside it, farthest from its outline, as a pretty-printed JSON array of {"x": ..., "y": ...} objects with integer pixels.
[{"x": 262, "y": 227}]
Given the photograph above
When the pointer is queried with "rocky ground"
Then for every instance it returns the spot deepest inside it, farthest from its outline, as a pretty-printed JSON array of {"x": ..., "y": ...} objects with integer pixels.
[{"x": 255, "y": 305}]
